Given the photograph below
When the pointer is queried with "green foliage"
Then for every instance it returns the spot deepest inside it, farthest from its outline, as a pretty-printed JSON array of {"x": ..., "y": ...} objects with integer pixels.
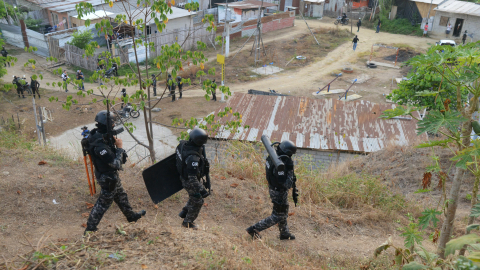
[
  {"x": 10, "y": 139},
  {"x": 475, "y": 211},
  {"x": 414, "y": 266},
  {"x": 411, "y": 234},
  {"x": 429, "y": 215},
  {"x": 81, "y": 39},
  {"x": 10, "y": 10},
  {"x": 435, "y": 120},
  {"x": 459, "y": 243},
  {"x": 33, "y": 24},
  {"x": 418, "y": 89}
]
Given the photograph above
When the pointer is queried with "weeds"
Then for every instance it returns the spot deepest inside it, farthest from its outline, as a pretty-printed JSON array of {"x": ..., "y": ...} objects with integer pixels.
[{"x": 10, "y": 139}]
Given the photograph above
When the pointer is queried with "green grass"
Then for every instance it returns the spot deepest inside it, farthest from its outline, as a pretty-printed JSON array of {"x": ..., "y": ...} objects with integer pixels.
[
  {"x": 396, "y": 26},
  {"x": 10, "y": 138}
]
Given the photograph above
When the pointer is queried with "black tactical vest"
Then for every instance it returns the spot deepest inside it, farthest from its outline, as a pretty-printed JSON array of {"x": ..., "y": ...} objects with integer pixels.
[
  {"x": 183, "y": 151},
  {"x": 278, "y": 179},
  {"x": 95, "y": 139}
]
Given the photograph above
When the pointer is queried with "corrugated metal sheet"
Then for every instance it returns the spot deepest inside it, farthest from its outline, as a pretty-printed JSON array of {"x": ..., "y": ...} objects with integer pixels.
[
  {"x": 460, "y": 7},
  {"x": 323, "y": 124},
  {"x": 252, "y": 4}
]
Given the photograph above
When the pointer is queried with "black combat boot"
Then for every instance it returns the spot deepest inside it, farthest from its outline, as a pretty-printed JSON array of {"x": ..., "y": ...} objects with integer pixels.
[
  {"x": 253, "y": 232},
  {"x": 190, "y": 225},
  {"x": 183, "y": 213},
  {"x": 286, "y": 236},
  {"x": 87, "y": 230},
  {"x": 136, "y": 216}
]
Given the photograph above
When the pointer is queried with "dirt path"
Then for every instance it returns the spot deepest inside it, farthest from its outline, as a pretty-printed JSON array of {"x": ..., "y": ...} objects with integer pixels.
[
  {"x": 302, "y": 81},
  {"x": 305, "y": 80}
]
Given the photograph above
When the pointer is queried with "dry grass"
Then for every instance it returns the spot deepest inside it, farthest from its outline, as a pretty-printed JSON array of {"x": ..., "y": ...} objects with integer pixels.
[{"x": 332, "y": 205}]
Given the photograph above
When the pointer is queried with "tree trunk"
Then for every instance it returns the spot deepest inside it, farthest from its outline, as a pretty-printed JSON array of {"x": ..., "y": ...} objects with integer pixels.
[{"x": 447, "y": 226}]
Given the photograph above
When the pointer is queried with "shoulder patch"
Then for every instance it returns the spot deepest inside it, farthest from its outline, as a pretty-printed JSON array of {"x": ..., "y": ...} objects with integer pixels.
[
  {"x": 194, "y": 164},
  {"x": 103, "y": 152}
]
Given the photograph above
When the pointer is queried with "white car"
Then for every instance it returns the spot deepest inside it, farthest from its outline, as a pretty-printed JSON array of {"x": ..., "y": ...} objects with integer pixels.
[{"x": 446, "y": 42}]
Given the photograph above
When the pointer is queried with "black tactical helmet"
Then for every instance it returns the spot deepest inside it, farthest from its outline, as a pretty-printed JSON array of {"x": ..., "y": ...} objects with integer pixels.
[
  {"x": 179, "y": 79},
  {"x": 288, "y": 147},
  {"x": 198, "y": 136},
  {"x": 101, "y": 118}
]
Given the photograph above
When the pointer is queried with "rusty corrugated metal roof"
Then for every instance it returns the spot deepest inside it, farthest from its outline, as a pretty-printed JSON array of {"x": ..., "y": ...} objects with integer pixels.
[
  {"x": 323, "y": 124},
  {"x": 251, "y": 4}
]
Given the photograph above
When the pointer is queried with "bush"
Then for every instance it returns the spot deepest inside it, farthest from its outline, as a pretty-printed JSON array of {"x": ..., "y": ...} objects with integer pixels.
[
  {"x": 81, "y": 39},
  {"x": 396, "y": 26}
]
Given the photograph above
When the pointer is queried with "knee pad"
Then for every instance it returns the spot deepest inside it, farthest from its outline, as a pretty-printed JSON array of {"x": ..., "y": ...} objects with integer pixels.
[{"x": 280, "y": 208}]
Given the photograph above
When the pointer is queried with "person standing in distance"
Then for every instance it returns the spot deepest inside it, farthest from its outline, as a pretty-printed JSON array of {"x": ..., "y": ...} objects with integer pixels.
[
  {"x": 354, "y": 41},
  {"x": 65, "y": 78},
  {"x": 192, "y": 165},
  {"x": 108, "y": 160},
  {"x": 35, "y": 85},
  {"x": 378, "y": 25},
  {"x": 5, "y": 54},
  {"x": 279, "y": 182},
  {"x": 180, "y": 85},
  {"x": 359, "y": 23},
  {"x": 171, "y": 86},
  {"x": 464, "y": 38},
  {"x": 154, "y": 85}
]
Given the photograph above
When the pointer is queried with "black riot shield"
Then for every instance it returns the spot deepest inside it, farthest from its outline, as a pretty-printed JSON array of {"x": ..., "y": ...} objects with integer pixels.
[{"x": 162, "y": 179}]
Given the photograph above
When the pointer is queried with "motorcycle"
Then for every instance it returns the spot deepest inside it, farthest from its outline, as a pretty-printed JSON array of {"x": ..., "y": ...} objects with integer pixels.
[
  {"x": 339, "y": 20},
  {"x": 125, "y": 114},
  {"x": 110, "y": 72}
]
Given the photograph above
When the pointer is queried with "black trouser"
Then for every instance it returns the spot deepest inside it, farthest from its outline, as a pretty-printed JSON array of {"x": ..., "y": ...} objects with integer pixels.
[
  {"x": 214, "y": 96},
  {"x": 180, "y": 90},
  {"x": 358, "y": 28},
  {"x": 173, "y": 95},
  {"x": 20, "y": 91},
  {"x": 154, "y": 91},
  {"x": 35, "y": 90}
]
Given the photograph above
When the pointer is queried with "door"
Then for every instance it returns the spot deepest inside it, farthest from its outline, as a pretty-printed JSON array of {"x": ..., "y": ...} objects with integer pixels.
[
  {"x": 288, "y": 3},
  {"x": 457, "y": 30}
]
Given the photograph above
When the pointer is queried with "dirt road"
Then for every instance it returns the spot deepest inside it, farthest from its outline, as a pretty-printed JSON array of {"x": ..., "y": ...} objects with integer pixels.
[
  {"x": 305, "y": 80},
  {"x": 302, "y": 81}
]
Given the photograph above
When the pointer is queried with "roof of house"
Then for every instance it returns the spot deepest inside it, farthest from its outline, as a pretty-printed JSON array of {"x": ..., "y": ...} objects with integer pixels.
[
  {"x": 98, "y": 14},
  {"x": 63, "y": 6},
  {"x": 315, "y": 1},
  {"x": 118, "y": 8},
  {"x": 322, "y": 124},
  {"x": 250, "y": 4},
  {"x": 460, "y": 7},
  {"x": 434, "y": 2}
]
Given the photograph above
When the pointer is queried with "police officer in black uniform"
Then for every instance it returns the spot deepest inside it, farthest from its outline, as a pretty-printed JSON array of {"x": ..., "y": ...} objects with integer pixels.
[
  {"x": 171, "y": 86},
  {"x": 35, "y": 85},
  {"x": 154, "y": 84},
  {"x": 107, "y": 160},
  {"x": 214, "y": 90},
  {"x": 16, "y": 81},
  {"x": 192, "y": 165},
  {"x": 5, "y": 54},
  {"x": 180, "y": 85},
  {"x": 279, "y": 182}
]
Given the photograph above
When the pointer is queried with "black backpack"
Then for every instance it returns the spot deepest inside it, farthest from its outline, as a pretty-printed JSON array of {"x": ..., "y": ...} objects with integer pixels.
[{"x": 182, "y": 152}]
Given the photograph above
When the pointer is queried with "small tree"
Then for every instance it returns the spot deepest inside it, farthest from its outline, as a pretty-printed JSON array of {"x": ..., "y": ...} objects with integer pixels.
[
  {"x": 172, "y": 59},
  {"x": 417, "y": 88},
  {"x": 81, "y": 39},
  {"x": 459, "y": 67}
]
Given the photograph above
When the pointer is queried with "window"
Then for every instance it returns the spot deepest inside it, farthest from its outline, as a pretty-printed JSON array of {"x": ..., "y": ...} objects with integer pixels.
[
  {"x": 74, "y": 25},
  {"x": 444, "y": 20}
]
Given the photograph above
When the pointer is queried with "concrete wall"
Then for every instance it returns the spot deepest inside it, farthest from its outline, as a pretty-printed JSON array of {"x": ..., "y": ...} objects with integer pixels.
[
  {"x": 177, "y": 23},
  {"x": 269, "y": 23},
  {"x": 13, "y": 36},
  {"x": 61, "y": 17},
  {"x": 216, "y": 151},
  {"x": 334, "y": 8},
  {"x": 470, "y": 23},
  {"x": 314, "y": 10}
]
